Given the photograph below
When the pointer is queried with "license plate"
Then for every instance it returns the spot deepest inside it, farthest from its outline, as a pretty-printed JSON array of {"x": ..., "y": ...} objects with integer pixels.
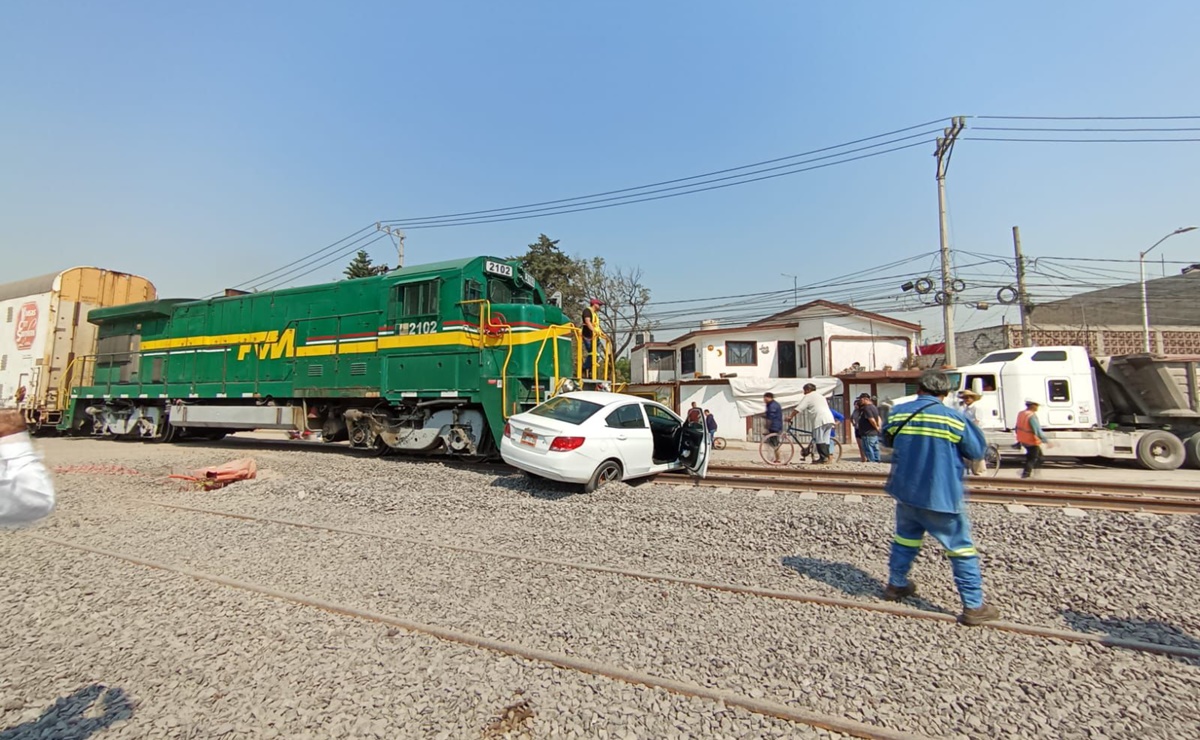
[{"x": 529, "y": 438}]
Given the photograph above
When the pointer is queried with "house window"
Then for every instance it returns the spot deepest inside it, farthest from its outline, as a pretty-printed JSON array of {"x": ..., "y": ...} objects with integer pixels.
[
  {"x": 741, "y": 353},
  {"x": 420, "y": 299},
  {"x": 687, "y": 360},
  {"x": 802, "y": 356},
  {"x": 10, "y": 314},
  {"x": 661, "y": 359},
  {"x": 3, "y": 362},
  {"x": 1059, "y": 390}
]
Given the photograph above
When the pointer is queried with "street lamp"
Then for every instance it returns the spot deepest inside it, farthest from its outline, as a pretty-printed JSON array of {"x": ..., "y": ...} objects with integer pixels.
[
  {"x": 1142, "y": 273},
  {"x": 793, "y": 277}
]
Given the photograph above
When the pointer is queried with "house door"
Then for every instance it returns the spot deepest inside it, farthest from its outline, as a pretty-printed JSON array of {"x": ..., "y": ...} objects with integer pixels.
[{"x": 787, "y": 359}]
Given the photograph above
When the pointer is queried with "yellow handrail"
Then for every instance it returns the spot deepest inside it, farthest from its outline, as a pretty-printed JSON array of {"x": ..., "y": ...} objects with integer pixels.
[{"x": 553, "y": 333}]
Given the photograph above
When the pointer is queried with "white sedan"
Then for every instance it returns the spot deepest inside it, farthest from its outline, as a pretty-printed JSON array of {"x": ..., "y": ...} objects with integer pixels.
[{"x": 593, "y": 438}]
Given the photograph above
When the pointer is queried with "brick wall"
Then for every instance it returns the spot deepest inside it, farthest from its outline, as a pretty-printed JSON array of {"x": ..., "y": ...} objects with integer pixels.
[{"x": 973, "y": 345}]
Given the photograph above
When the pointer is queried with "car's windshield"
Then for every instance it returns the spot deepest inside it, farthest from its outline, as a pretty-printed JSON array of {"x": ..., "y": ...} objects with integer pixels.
[{"x": 570, "y": 410}]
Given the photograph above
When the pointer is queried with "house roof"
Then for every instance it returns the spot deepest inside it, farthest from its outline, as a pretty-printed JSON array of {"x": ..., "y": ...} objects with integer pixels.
[
  {"x": 651, "y": 345},
  {"x": 1171, "y": 301},
  {"x": 731, "y": 330},
  {"x": 840, "y": 308}
]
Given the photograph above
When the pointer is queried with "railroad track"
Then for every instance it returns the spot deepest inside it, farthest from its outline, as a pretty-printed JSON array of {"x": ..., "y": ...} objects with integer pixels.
[
  {"x": 1037, "y": 492},
  {"x": 878, "y": 607},
  {"x": 767, "y": 707}
]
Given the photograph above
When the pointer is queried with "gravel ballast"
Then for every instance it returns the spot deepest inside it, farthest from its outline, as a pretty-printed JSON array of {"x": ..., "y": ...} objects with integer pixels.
[{"x": 1118, "y": 574}]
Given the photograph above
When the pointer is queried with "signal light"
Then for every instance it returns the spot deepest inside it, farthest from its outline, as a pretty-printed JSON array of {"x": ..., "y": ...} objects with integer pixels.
[
  {"x": 566, "y": 444},
  {"x": 507, "y": 429}
]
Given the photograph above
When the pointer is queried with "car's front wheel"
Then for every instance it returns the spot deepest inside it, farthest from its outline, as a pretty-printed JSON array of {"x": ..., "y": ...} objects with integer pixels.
[{"x": 608, "y": 471}]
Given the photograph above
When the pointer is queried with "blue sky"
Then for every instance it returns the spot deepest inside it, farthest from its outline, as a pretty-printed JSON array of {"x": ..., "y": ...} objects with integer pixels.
[{"x": 202, "y": 145}]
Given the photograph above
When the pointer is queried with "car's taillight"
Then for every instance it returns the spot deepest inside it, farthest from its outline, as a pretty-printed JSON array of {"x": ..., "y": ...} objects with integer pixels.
[
  {"x": 507, "y": 429},
  {"x": 565, "y": 444}
]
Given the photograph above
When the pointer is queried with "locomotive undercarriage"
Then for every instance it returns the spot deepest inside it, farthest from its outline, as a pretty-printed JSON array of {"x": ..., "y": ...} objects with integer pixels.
[{"x": 449, "y": 427}]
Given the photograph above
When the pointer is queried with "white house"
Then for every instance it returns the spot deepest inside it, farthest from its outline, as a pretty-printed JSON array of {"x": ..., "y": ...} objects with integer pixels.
[{"x": 815, "y": 340}]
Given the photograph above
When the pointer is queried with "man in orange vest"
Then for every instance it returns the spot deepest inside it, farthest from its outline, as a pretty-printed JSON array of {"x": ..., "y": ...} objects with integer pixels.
[{"x": 1031, "y": 437}]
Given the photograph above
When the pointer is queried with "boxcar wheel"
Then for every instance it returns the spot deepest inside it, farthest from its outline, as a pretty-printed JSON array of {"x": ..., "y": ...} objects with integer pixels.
[{"x": 608, "y": 471}]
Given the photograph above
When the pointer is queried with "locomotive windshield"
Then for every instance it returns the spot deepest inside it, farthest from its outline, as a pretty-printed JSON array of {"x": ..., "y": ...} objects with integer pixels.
[{"x": 500, "y": 291}]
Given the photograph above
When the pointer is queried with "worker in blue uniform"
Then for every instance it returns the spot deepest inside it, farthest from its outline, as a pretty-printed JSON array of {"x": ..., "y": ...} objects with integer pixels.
[{"x": 929, "y": 441}]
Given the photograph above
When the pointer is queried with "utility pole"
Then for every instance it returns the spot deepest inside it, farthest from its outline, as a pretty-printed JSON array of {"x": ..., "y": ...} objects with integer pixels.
[
  {"x": 794, "y": 289},
  {"x": 399, "y": 236},
  {"x": 945, "y": 148},
  {"x": 1022, "y": 295}
]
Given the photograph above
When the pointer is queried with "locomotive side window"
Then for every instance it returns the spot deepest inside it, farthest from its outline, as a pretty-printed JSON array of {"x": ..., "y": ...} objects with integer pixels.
[
  {"x": 472, "y": 290},
  {"x": 419, "y": 299}
]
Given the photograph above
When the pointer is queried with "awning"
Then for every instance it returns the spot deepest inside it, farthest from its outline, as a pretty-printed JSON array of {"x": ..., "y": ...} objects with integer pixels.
[{"x": 748, "y": 392}]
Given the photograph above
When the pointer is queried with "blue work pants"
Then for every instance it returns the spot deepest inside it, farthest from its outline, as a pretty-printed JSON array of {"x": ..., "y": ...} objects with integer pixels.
[
  {"x": 953, "y": 531},
  {"x": 870, "y": 445}
]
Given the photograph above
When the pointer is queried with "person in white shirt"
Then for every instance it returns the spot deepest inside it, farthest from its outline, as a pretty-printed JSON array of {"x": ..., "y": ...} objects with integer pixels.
[
  {"x": 968, "y": 398},
  {"x": 814, "y": 413},
  {"x": 26, "y": 490}
]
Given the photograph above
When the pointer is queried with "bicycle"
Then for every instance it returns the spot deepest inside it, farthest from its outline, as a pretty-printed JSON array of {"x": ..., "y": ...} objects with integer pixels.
[
  {"x": 788, "y": 440},
  {"x": 718, "y": 443}
]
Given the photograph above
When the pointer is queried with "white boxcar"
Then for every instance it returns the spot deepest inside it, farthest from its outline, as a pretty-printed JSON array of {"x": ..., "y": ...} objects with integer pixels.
[{"x": 45, "y": 328}]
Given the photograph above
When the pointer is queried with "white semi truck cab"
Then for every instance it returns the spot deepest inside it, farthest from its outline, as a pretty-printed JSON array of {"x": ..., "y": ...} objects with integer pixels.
[{"x": 1132, "y": 407}]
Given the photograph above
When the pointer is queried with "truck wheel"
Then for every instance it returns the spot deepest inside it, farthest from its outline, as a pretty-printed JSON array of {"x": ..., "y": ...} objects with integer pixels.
[
  {"x": 1160, "y": 450},
  {"x": 1191, "y": 450}
]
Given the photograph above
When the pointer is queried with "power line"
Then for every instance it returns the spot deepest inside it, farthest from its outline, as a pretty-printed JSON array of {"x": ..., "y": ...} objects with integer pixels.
[
  {"x": 258, "y": 278},
  {"x": 1098, "y": 130},
  {"x": 676, "y": 180},
  {"x": 510, "y": 213},
  {"x": 283, "y": 279},
  {"x": 1090, "y": 118},
  {"x": 629, "y": 200},
  {"x": 1079, "y": 141}
]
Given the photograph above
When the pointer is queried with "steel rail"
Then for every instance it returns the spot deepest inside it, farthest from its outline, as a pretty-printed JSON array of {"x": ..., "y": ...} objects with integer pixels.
[
  {"x": 1146, "y": 504},
  {"x": 1039, "y": 493},
  {"x": 1036, "y": 484},
  {"x": 832, "y": 601},
  {"x": 559, "y": 660}
]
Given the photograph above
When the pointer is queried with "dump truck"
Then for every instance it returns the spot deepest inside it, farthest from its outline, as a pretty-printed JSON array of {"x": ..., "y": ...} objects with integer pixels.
[{"x": 1140, "y": 407}]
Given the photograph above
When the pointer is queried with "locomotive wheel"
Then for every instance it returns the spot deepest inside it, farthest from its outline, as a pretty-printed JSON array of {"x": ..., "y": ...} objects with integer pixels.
[
  {"x": 168, "y": 434},
  {"x": 374, "y": 447}
]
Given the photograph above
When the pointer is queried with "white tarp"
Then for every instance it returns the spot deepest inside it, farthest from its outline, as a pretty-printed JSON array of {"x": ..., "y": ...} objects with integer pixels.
[{"x": 748, "y": 392}]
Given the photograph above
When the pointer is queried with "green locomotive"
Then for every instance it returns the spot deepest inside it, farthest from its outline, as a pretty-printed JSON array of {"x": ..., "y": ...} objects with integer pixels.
[{"x": 425, "y": 359}]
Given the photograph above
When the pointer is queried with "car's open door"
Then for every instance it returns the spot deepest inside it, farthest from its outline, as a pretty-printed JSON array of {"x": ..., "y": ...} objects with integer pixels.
[{"x": 695, "y": 448}]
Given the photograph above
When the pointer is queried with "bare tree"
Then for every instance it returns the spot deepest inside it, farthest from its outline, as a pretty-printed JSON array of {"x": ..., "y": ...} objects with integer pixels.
[{"x": 625, "y": 298}]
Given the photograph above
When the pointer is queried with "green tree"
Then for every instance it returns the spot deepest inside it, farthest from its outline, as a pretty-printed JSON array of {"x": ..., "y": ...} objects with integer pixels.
[
  {"x": 623, "y": 295},
  {"x": 361, "y": 266},
  {"x": 555, "y": 271},
  {"x": 623, "y": 370}
]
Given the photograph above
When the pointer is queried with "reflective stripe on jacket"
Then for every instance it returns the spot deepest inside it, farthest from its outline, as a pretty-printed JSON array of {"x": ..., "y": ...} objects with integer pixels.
[
  {"x": 1028, "y": 430},
  {"x": 927, "y": 451}
]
